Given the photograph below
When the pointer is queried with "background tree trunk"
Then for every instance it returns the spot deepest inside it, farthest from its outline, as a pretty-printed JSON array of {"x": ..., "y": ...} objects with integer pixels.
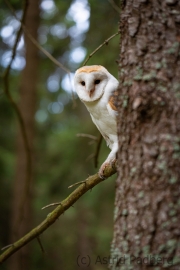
[
  {"x": 146, "y": 229},
  {"x": 21, "y": 220}
]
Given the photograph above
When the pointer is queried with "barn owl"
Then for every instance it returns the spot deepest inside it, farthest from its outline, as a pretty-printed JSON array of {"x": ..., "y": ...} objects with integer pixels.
[{"x": 97, "y": 89}]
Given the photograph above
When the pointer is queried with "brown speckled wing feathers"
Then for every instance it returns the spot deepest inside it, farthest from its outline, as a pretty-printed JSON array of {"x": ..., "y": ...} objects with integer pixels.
[{"x": 113, "y": 101}]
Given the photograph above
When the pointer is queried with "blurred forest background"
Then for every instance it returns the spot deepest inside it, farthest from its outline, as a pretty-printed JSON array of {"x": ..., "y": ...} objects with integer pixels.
[{"x": 70, "y": 31}]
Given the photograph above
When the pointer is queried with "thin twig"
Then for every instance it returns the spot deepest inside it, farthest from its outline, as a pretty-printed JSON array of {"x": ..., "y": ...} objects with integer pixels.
[
  {"x": 91, "y": 142},
  {"x": 78, "y": 183},
  {"x": 90, "y": 157},
  {"x": 113, "y": 4},
  {"x": 6, "y": 247},
  {"x": 50, "y": 205},
  {"x": 45, "y": 52},
  {"x": 40, "y": 244},
  {"x": 99, "y": 47},
  {"x": 97, "y": 151},
  {"x": 98, "y": 140},
  {"x": 91, "y": 181},
  {"x": 87, "y": 136},
  {"x": 34, "y": 41},
  {"x": 17, "y": 110}
]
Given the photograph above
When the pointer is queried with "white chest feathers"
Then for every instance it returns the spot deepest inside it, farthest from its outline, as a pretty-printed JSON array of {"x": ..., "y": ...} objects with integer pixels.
[{"x": 104, "y": 121}]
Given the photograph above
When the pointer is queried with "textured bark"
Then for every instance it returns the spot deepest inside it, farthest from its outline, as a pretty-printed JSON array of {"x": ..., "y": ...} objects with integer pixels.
[
  {"x": 147, "y": 214},
  {"x": 21, "y": 201}
]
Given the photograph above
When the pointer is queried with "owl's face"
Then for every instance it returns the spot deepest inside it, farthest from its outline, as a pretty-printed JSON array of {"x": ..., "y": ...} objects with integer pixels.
[{"x": 90, "y": 82}]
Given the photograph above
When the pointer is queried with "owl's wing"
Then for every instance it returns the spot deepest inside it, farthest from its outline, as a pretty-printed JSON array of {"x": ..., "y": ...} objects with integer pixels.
[{"x": 112, "y": 104}]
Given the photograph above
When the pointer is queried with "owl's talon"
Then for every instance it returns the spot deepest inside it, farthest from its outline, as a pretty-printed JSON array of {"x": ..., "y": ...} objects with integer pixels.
[
  {"x": 103, "y": 167},
  {"x": 101, "y": 171},
  {"x": 101, "y": 176},
  {"x": 113, "y": 162}
]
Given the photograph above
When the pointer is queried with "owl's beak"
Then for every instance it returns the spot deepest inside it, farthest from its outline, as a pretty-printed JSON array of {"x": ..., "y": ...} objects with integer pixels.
[{"x": 91, "y": 92}]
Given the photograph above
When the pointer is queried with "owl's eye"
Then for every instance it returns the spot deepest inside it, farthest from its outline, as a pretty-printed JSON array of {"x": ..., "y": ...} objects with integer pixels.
[
  {"x": 83, "y": 83},
  {"x": 97, "y": 82}
]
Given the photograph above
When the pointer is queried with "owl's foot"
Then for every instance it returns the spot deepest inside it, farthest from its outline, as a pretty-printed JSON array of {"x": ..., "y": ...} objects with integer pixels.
[
  {"x": 103, "y": 167},
  {"x": 101, "y": 170}
]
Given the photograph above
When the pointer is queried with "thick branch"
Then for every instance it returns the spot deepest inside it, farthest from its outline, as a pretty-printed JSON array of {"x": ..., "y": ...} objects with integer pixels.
[{"x": 88, "y": 184}]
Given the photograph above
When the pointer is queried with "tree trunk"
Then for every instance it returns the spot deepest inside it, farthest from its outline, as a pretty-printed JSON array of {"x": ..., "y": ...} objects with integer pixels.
[
  {"x": 146, "y": 229},
  {"x": 22, "y": 193}
]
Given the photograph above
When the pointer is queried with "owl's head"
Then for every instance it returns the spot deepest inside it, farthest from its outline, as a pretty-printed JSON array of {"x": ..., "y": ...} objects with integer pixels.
[{"x": 90, "y": 82}]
